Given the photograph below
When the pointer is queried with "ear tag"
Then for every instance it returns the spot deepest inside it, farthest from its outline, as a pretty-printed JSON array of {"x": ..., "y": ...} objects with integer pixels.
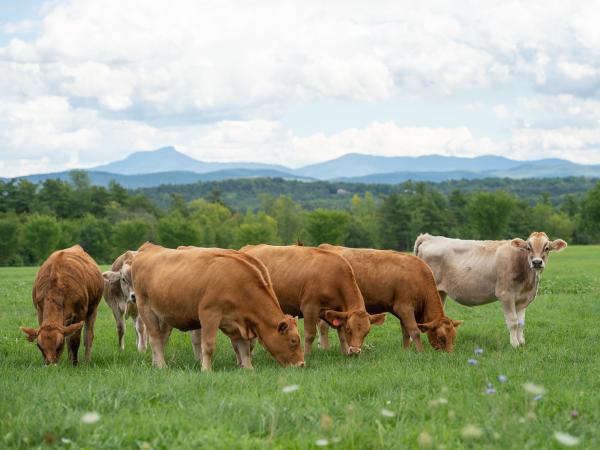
[{"x": 336, "y": 322}]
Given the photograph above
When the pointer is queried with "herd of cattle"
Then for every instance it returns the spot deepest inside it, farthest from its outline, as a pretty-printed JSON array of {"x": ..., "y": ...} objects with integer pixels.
[{"x": 258, "y": 292}]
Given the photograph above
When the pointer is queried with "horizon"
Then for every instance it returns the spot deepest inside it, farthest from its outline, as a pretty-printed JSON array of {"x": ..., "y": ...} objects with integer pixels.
[
  {"x": 99, "y": 168},
  {"x": 294, "y": 86}
]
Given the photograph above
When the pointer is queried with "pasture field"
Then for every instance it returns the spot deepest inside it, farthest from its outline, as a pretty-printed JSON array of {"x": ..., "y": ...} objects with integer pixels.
[{"x": 385, "y": 398}]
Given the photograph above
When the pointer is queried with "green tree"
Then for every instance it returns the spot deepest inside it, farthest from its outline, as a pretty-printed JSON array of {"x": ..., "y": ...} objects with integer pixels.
[
  {"x": 70, "y": 232},
  {"x": 257, "y": 228},
  {"x": 41, "y": 234},
  {"x": 590, "y": 213},
  {"x": 394, "y": 223},
  {"x": 327, "y": 226},
  {"x": 95, "y": 237},
  {"x": 289, "y": 217},
  {"x": 217, "y": 223},
  {"x": 130, "y": 234},
  {"x": 10, "y": 232},
  {"x": 175, "y": 229},
  {"x": 490, "y": 213}
]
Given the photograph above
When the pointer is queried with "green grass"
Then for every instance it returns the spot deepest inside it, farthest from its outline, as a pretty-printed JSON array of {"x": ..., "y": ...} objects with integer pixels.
[{"x": 339, "y": 397}]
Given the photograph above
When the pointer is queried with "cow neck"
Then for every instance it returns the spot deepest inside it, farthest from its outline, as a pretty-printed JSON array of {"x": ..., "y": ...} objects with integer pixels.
[
  {"x": 267, "y": 318},
  {"x": 433, "y": 309},
  {"x": 530, "y": 277},
  {"x": 353, "y": 299},
  {"x": 53, "y": 309}
]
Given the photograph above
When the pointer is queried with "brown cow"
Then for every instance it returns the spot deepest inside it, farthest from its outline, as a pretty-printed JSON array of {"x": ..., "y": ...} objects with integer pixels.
[
  {"x": 220, "y": 290},
  {"x": 314, "y": 283},
  {"x": 119, "y": 295},
  {"x": 66, "y": 293},
  {"x": 404, "y": 286},
  {"x": 195, "y": 335}
]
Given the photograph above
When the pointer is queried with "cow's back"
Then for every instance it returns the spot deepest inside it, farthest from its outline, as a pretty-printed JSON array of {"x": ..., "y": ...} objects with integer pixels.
[
  {"x": 465, "y": 269},
  {"x": 298, "y": 273},
  {"x": 385, "y": 276},
  {"x": 175, "y": 282},
  {"x": 71, "y": 276}
]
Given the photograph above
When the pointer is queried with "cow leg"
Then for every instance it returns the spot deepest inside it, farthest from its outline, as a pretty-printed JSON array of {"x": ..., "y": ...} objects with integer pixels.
[
  {"x": 196, "y": 339},
  {"x": 310, "y": 330},
  {"x": 409, "y": 325},
  {"x": 405, "y": 337},
  {"x": 154, "y": 329},
  {"x": 244, "y": 353},
  {"x": 208, "y": 334},
  {"x": 343, "y": 341},
  {"x": 512, "y": 321},
  {"x": 89, "y": 334},
  {"x": 323, "y": 335},
  {"x": 141, "y": 335},
  {"x": 73, "y": 343},
  {"x": 118, "y": 315},
  {"x": 443, "y": 296},
  {"x": 521, "y": 322}
]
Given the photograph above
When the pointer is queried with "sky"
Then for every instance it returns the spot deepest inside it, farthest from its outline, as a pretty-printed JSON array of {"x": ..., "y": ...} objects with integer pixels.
[{"x": 90, "y": 81}]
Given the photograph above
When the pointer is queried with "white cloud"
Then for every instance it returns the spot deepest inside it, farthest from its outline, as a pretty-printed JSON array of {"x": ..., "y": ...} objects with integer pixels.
[{"x": 102, "y": 78}]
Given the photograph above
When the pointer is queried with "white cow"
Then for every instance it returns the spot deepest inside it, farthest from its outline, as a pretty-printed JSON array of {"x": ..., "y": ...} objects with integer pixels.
[
  {"x": 479, "y": 272},
  {"x": 119, "y": 295}
]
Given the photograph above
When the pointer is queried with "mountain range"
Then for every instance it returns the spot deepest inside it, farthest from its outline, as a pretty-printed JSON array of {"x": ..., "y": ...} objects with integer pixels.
[{"x": 169, "y": 166}]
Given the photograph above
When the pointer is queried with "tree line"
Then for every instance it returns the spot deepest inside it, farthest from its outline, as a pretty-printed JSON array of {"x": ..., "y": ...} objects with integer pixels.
[{"x": 36, "y": 219}]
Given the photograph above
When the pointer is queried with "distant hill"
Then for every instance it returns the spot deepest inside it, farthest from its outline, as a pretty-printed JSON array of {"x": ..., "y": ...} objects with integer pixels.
[
  {"x": 168, "y": 159},
  {"x": 167, "y": 178},
  {"x": 358, "y": 165},
  {"x": 168, "y": 166}
]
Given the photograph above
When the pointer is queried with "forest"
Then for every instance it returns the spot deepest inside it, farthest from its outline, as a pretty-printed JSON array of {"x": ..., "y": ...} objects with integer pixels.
[{"x": 38, "y": 218}]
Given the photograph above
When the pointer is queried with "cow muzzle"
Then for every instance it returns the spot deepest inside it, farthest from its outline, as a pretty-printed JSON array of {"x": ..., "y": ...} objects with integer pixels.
[
  {"x": 354, "y": 350},
  {"x": 537, "y": 263},
  {"x": 132, "y": 297}
]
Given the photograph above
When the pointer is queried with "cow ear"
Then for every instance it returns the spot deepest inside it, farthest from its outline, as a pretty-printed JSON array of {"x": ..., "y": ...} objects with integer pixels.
[
  {"x": 67, "y": 331},
  {"x": 31, "y": 333},
  {"x": 335, "y": 318},
  {"x": 519, "y": 244},
  {"x": 457, "y": 323},
  {"x": 377, "y": 319},
  {"x": 110, "y": 276},
  {"x": 425, "y": 327},
  {"x": 558, "y": 245},
  {"x": 283, "y": 326}
]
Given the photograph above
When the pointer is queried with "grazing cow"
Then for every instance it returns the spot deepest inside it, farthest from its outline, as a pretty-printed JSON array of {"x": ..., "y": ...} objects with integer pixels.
[
  {"x": 211, "y": 290},
  {"x": 318, "y": 284},
  {"x": 404, "y": 286},
  {"x": 119, "y": 295},
  {"x": 195, "y": 335},
  {"x": 479, "y": 272},
  {"x": 66, "y": 293}
]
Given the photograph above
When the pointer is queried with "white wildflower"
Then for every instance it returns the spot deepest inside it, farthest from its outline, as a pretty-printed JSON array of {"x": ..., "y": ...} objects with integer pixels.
[
  {"x": 471, "y": 432},
  {"x": 425, "y": 440},
  {"x": 534, "y": 389},
  {"x": 90, "y": 417},
  {"x": 322, "y": 442},
  {"x": 387, "y": 413},
  {"x": 290, "y": 388},
  {"x": 566, "y": 439}
]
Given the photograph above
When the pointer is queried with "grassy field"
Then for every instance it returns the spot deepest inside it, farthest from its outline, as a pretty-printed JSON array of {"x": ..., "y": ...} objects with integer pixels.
[{"x": 386, "y": 398}]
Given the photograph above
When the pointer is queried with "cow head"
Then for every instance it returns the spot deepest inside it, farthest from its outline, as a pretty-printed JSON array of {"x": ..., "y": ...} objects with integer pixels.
[
  {"x": 285, "y": 346},
  {"x": 355, "y": 325},
  {"x": 538, "y": 247},
  {"x": 123, "y": 277},
  {"x": 441, "y": 332},
  {"x": 50, "y": 339}
]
